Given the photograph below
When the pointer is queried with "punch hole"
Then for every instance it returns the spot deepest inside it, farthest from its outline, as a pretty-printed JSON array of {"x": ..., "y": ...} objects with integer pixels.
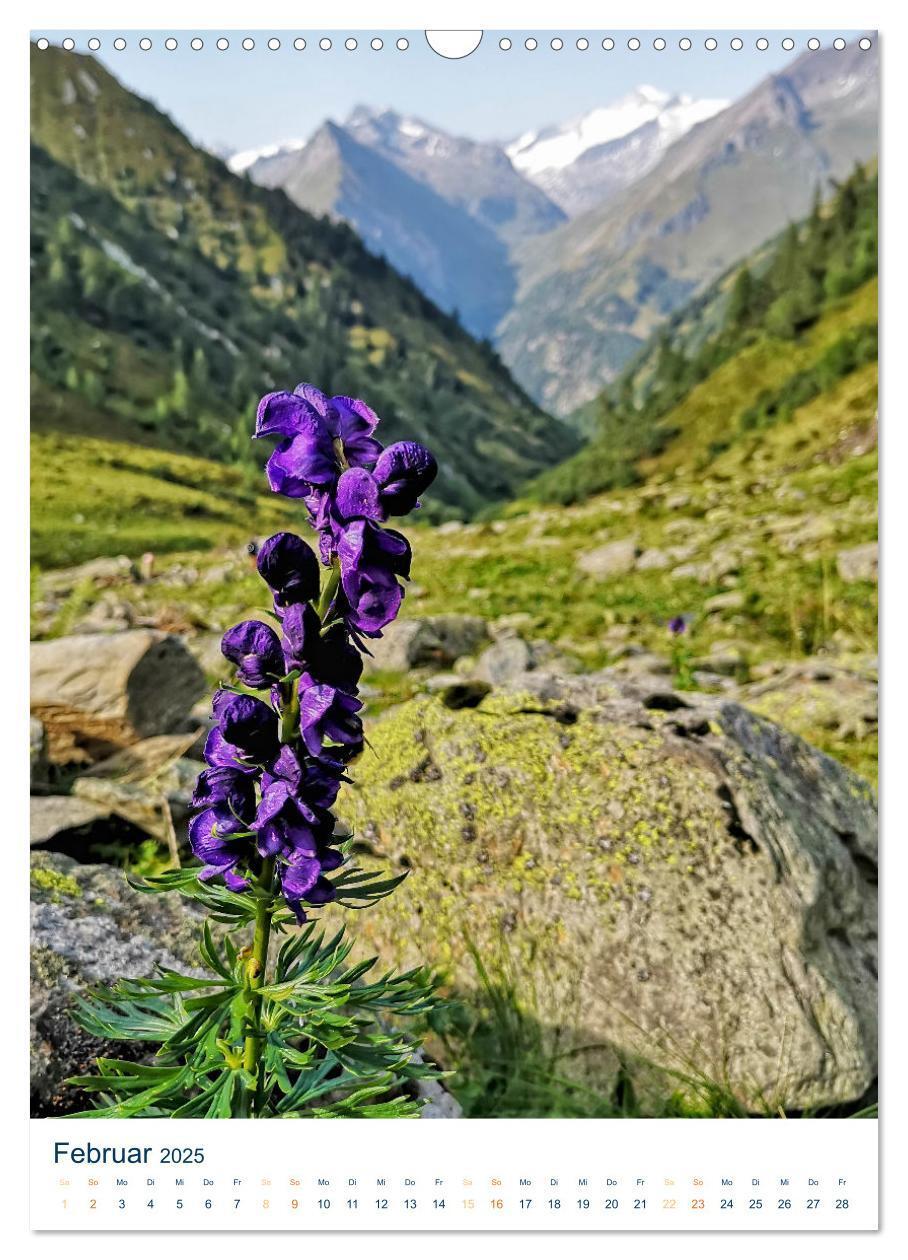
[{"x": 453, "y": 45}]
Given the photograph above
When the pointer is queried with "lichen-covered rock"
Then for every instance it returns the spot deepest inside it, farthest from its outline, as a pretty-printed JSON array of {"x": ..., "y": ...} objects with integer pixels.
[
  {"x": 678, "y": 885},
  {"x": 102, "y": 691},
  {"x": 89, "y": 927}
]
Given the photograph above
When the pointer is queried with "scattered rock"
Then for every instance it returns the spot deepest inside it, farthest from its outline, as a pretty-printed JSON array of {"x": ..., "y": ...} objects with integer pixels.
[
  {"x": 52, "y": 817},
  {"x": 695, "y": 884},
  {"x": 102, "y": 691},
  {"x": 858, "y": 564},
  {"x": 107, "y": 616},
  {"x": 505, "y": 660},
  {"x": 654, "y": 558},
  {"x": 103, "y": 571},
  {"x": 612, "y": 559},
  {"x": 724, "y": 603},
  {"x": 426, "y": 641}
]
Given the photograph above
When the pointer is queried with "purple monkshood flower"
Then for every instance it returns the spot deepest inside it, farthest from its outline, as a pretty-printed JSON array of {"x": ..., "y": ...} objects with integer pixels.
[
  {"x": 248, "y": 724},
  {"x": 677, "y": 625},
  {"x": 214, "y": 839},
  {"x": 302, "y": 880},
  {"x": 290, "y": 567},
  {"x": 328, "y": 714},
  {"x": 401, "y": 474},
  {"x": 256, "y": 651},
  {"x": 273, "y": 772},
  {"x": 371, "y": 560},
  {"x": 319, "y": 436}
]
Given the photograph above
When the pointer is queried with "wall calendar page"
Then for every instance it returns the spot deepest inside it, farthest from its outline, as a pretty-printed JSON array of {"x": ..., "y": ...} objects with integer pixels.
[{"x": 453, "y": 663}]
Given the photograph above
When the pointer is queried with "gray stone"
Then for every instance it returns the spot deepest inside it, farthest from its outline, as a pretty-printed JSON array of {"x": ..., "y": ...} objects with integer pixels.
[
  {"x": 654, "y": 558},
  {"x": 505, "y": 660},
  {"x": 858, "y": 564},
  {"x": 612, "y": 559},
  {"x": 54, "y": 816},
  {"x": 728, "y": 602},
  {"x": 426, "y": 641},
  {"x": 100, "y": 572},
  {"x": 88, "y": 927},
  {"x": 696, "y": 886},
  {"x": 103, "y": 691}
]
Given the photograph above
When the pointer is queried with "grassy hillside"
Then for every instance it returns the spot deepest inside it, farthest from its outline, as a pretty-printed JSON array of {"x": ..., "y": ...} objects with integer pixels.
[{"x": 168, "y": 294}]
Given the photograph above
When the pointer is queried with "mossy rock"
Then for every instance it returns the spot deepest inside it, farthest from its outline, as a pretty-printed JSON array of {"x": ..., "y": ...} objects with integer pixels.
[{"x": 673, "y": 880}]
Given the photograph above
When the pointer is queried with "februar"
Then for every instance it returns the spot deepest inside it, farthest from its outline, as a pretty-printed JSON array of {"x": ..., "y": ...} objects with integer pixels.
[{"x": 91, "y": 1154}]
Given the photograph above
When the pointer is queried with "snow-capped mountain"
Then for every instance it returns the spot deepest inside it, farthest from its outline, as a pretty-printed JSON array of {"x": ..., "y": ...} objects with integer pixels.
[{"x": 590, "y": 159}]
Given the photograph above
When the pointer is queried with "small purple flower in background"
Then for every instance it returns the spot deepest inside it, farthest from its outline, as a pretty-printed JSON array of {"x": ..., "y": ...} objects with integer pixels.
[
  {"x": 273, "y": 770},
  {"x": 678, "y": 625}
]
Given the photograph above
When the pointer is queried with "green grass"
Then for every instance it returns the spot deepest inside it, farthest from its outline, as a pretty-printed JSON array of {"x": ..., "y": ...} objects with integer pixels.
[{"x": 96, "y": 497}]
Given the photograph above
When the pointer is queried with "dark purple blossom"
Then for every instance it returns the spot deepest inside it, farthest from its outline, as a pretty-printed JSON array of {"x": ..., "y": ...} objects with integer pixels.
[
  {"x": 319, "y": 437},
  {"x": 371, "y": 560},
  {"x": 328, "y": 714},
  {"x": 248, "y": 724},
  {"x": 677, "y": 625},
  {"x": 256, "y": 652},
  {"x": 217, "y": 839},
  {"x": 290, "y": 567}
]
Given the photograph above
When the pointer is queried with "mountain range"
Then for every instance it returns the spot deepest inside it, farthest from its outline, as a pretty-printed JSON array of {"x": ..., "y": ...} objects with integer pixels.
[
  {"x": 584, "y": 162},
  {"x": 605, "y": 280},
  {"x": 168, "y": 294},
  {"x": 567, "y": 246}
]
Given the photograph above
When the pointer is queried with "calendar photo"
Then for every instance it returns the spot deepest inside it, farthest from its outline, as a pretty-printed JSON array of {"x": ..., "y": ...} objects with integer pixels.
[{"x": 453, "y": 596}]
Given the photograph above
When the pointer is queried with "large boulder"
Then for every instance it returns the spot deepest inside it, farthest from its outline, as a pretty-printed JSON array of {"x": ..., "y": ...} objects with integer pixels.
[
  {"x": 680, "y": 887},
  {"x": 102, "y": 691}
]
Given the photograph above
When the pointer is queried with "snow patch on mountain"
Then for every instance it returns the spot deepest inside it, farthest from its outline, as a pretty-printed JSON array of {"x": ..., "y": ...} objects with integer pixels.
[{"x": 555, "y": 148}]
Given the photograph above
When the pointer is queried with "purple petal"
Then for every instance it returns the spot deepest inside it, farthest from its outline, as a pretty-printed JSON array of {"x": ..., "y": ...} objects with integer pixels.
[
  {"x": 284, "y": 415},
  {"x": 290, "y": 567},
  {"x": 403, "y": 472},
  {"x": 357, "y": 497},
  {"x": 255, "y": 649}
]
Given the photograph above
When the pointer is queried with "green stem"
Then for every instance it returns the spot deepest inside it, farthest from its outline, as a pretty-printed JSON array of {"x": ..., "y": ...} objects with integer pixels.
[
  {"x": 257, "y": 965},
  {"x": 329, "y": 590}
]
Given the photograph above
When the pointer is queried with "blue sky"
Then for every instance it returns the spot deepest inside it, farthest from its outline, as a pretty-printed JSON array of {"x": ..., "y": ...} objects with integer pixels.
[{"x": 242, "y": 99}]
